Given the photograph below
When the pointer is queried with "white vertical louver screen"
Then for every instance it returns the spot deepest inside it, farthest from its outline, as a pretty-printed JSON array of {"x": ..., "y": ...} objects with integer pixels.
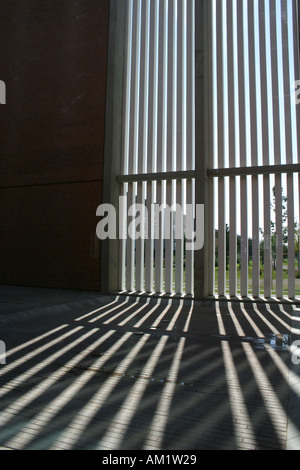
[
  {"x": 254, "y": 66},
  {"x": 159, "y": 138},
  {"x": 254, "y": 125}
]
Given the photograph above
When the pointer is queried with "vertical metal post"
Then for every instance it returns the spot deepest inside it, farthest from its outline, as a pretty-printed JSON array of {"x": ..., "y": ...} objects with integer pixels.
[
  {"x": 254, "y": 150},
  {"x": 233, "y": 124},
  {"x": 222, "y": 255},
  {"x": 242, "y": 60},
  {"x": 170, "y": 155},
  {"x": 210, "y": 148},
  {"x": 190, "y": 144},
  {"x": 265, "y": 150}
]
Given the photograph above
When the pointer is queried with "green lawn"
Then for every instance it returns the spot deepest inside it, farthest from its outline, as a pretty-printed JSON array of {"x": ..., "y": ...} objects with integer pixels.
[
  {"x": 284, "y": 275},
  {"x": 285, "y": 279}
]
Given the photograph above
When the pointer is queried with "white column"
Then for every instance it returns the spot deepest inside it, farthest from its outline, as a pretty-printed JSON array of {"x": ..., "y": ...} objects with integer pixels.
[{"x": 221, "y": 186}]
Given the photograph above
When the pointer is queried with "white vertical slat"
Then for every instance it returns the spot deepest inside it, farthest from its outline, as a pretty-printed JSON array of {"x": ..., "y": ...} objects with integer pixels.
[
  {"x": 279, "y": 238},
  {"x": 254, "y": 149},
  {"x": 296, "y": 41},
  {"x": 255, "y": 238},
  {"x": 139, "y": 140},
  {"x": 181, "y": 139},
  {"x": 126, "y": 143},
  {"x": 189, "y": 256},
  {"x": 122, "y": 237},
  {"x": 211, "y": 149},
  {"x": 182, "y": 38},
  {"x": 160, "y": 153},
  {"x": 265, "y": 148},
  {"x": 232, "y": 151},
  {"x": 178, "y": 186},
  {"x": 127, "y": 93},
  {"x": 144, "y": 131},
  {"x": 140, "y": 246},
  {"x": 136, "y": 84},
  {"x": 184, "y": 131},
  {"x": 286, "y": 24},
  {"x": 267, "y": 237},
  {"x": 291, "y": 236},
  {"x": 297, "y": 77},
  {"x": 244, "y": 253},
  {"x": 298, "y": 293},
  {"x": 159, "y": 238},
  {"x": 130, "y": 245},
  {"x": 179, "y": 242},
  {"x": 232, "y": 239},
  {"x": 298, "y": 260},
  {"x": 133, "y": 131},
  {"x": 165, "y": 114},
  {"x": 169, "y": 242},
  {"x": 212, "y": 242},
  {"x": 171, "y": 141},
  {"x": 134, "y": 256},
  {"x": 153, "y": 65},
  {"x": 145, "y": 54},
  {"x": 242, "y": 58},
  {"x": 149, "y": 249},
  {"x": 152, "y": 140},
  {"x": 277, "y": 146},
  {"x": 221, "y": 187},
  {"x": 190, "y": 142}
]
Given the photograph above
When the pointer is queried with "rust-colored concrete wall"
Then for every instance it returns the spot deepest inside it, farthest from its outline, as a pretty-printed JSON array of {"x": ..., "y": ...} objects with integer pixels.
[{"x": 53, "y": 62}]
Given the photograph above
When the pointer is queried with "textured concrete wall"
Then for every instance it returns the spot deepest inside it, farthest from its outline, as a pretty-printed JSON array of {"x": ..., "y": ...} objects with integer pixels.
[{"x": 53, "y": 62}]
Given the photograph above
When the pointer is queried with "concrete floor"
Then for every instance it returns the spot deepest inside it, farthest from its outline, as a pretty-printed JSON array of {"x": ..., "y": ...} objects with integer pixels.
[{"x": 85, "y": 371}]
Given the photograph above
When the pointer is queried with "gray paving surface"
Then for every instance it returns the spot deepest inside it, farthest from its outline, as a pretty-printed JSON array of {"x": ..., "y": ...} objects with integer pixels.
[{"x": 85, "y": 371}]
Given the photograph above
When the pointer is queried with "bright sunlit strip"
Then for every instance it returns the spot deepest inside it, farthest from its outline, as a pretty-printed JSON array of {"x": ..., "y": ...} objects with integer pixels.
[
  {"x": 30, "y": 396},
  {"x": 236, "y": 395},
  {"x": 36, "y": 352},
  {"x": 98, "y": 309},
  {"x": 76, "y": 428},
  {"x": 175, "y": 316},
  {"x": 37, "y": 368},
  {"x": 34, "y": 341},
  {"x": 221, "y": 326},
  {"x": 132, "y": 402},
  {"x": 286, "y": 325},
  {"x": 272, "y": 327},
  {"x": 237, "y": 325},
  {"x": 251, "y": 321},
  {"x": 161, "y": 416},
  {"x": 271, "y": 402},
  {"x": 161, "y": 316},
  {"x": 136, "y": 312},
  {"x": 189, "y": 317},
  {"x": 292, "y": 79},
  {"x": 107, "y": 312},
  {"x": 145, "y": 317},
  {"x": 43, "y": 418},
  {"x": 130, "y": 307}
]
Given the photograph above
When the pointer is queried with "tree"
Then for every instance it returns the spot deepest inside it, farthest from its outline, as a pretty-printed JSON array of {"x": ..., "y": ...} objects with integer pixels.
[{"x": 285, "y": 234}]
